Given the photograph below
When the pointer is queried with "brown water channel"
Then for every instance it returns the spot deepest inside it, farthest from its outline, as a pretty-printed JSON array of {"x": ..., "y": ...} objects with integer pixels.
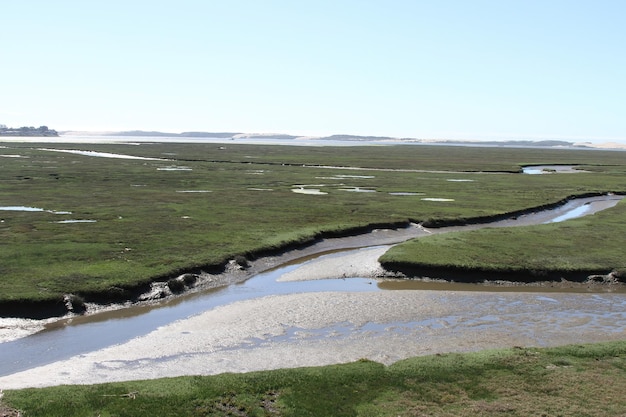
[{"x": 79, "y": 335}]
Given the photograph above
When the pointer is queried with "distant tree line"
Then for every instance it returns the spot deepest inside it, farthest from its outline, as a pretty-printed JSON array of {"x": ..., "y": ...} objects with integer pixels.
[{"x": 27, "y": 131}]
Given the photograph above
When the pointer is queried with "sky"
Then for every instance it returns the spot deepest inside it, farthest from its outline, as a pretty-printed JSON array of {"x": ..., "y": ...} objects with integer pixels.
[{"x": 500, "y": 69}]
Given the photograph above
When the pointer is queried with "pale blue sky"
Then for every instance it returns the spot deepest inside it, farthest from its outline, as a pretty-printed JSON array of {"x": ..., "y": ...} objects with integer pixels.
[{"x": 426, "y": 69}]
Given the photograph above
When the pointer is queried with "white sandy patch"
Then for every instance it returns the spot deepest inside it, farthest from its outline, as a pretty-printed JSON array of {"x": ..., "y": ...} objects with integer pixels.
[
  {"x": 358, "y": 190},
  {"x": 13, "y": 328},
  {"x": 363, "y": 263},
  {"x": 310, "y": 191},
  {"x": 174, "y": 168},
  {"x": 75, "y": 221},
  {"x": 101, "y": 154},
  {"x": 437, "y": 199},
  {"x": 605, "y": 145}
]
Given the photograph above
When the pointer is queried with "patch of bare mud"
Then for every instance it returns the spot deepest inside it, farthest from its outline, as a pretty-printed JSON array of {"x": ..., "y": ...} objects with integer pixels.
[{"x": 362, "y": 263}]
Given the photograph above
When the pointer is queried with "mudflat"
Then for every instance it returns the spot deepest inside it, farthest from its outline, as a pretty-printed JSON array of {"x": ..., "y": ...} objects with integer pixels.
[{"x": 324, "y": 328}]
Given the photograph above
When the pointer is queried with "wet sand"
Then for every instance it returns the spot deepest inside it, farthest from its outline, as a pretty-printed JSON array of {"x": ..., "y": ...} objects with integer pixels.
[{"x": 326, "y": 328}]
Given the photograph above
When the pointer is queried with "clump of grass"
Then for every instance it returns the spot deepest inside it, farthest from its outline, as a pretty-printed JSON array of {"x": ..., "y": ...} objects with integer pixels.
[
  {"x": 176, "y": 285},
  {"x": 242, "y": 261},
  {"x": 189, "y": 279},
  {"x": 75, "y": 303}
]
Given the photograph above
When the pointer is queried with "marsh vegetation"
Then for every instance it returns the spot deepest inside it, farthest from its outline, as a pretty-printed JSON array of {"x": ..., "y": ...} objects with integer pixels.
[
  {"x": 107, "y": 226},
  {"x": 578, "y": 380}
]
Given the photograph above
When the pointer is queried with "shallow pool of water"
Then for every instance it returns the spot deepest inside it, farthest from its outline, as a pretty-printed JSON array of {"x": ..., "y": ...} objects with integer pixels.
[
  {"x": 33, "y": 209},
  {"x": 101, "y": 154},
  {"x": 551, "y": 169}
]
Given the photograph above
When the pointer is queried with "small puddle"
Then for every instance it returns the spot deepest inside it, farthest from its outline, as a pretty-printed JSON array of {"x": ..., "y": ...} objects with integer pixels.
[
  {"x": 309, "y": 191},
  {"x": 358, "y": 190},
  {"x": 20, "y": 208},
  {"x": 175, "y": 168},
  {"x": 436, "y": 199},
  {"x": 32, "y": 209},
  {"x": 572, "y": 214},
  {"x": 76, "y": 221},
  {"x": 551, "y": 169},
  {"x": 405, "y": 193}
]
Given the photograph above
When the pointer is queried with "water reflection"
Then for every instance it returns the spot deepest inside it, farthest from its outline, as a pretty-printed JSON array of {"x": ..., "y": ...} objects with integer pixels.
[
  {"x": 551, "y": 169},
  {"x": 101, "y": 154}
]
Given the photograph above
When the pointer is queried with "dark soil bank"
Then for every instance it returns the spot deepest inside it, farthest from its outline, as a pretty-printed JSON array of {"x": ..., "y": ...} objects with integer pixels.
[{"x": 525, "y": 276}]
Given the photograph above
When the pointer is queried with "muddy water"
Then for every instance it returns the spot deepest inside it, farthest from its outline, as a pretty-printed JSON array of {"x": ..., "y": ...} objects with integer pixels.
[{"x": 81, "y": 335}]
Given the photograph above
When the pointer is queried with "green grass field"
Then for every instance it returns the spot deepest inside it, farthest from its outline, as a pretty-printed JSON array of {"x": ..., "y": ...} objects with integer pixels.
[
  {"x": 152, "y": 219},
  {"x": 575, "y": 249},
  {"x": 580, "y": 380}
]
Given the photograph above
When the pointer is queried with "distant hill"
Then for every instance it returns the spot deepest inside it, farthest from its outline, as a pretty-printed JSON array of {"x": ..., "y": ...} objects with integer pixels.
[
  {"x": 221, "y": 135},
  {"x": 356, "y": 138},
  {"x": 533, "y": 143},
  {"x": 27, "y": 131},
  {"x": 175, "y": 135}
]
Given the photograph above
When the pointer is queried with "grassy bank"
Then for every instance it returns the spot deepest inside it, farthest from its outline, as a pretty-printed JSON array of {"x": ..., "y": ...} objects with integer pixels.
[
  {"x": 110, "y": 225},
  {"x": 581, "y": 380},
  {"x": 572, "y": 250}
]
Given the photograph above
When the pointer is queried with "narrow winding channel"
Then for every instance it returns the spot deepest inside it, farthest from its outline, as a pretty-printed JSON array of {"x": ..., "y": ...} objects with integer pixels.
[{"x": 78, "y": 336}]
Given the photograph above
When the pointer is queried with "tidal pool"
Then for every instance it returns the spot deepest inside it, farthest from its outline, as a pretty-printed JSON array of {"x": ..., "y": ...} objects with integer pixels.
[
  {"x": 405, "y": 193},
  {"x": 33, "y": 209},
  {"x": 359, "y": 190},
  {"x": 309, "y": 191},
  {"x": 436, "y": 199},
  {"x": 101, "y": 154},
  {"x": 76, "y": 221},
  {"x": 551, "y": 169},
  {"x": 20, "y": 208},
  {"x": 175, "y": 168}
]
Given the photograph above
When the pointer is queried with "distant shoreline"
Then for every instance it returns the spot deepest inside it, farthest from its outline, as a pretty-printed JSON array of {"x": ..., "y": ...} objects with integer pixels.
[{"x": 286, "y": 139}]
